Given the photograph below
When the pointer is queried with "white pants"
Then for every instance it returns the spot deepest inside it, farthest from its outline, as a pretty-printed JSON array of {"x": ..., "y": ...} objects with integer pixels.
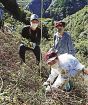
[{"x": 55, "y": 78}]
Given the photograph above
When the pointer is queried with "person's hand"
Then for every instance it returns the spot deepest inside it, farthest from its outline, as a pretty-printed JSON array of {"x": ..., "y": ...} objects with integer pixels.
[
  {"x": 85, "y": 71},
  {"x": 30, "y": 44},
  {"x": 34, "y": 45}
]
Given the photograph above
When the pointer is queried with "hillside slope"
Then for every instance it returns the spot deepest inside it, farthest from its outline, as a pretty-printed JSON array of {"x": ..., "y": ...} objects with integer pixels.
[
  {"x": 18, "y": 83},
  {"x": 77, "y": 25},
  {"x": 22, "y": 84}
]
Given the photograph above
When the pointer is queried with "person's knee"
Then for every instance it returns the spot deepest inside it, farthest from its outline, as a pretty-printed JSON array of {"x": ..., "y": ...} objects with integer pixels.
[
  {"x": 58, "y": 82},
  {"x": 22, "y": 46},
  {"x": 21, "y": 49},
  {"x": 37, "y": 48}
]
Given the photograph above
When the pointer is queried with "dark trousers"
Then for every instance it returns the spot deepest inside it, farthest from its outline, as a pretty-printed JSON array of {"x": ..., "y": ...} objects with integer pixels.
[
  {"x": 1, "y": 24},
  {"x": 23, "y": 49}
]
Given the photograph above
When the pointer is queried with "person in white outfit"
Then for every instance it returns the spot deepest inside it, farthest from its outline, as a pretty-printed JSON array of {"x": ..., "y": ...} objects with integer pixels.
[{"x": 63, "y": 67}]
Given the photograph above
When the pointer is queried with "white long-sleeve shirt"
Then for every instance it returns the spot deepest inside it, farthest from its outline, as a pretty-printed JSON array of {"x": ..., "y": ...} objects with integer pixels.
[{"x": 70, "y": 64}]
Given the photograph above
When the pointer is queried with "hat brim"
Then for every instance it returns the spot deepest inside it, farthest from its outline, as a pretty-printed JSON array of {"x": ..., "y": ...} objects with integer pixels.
[{"x": 51, "y": 59}]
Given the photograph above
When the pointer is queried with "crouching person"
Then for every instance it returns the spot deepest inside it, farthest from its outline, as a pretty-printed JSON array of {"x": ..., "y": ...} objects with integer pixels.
[
  {"x": 63, "y": 67},
  {"x": 31, "y": 35}
]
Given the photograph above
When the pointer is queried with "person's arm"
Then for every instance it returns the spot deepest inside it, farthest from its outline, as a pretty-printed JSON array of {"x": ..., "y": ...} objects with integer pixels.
[
  {"x": 38, "y": 38},
  {"x": 24, "y": 33},
  {"x": 71, "y": 49},
  {"x": 54, "y": 73}
]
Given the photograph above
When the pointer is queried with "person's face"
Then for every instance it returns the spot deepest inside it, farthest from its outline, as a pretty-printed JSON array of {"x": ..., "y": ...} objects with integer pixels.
[
  {"x": 34, "y": 24},
  {"x": 53, "y": 62},
  {"x": 60, "y": 28}
]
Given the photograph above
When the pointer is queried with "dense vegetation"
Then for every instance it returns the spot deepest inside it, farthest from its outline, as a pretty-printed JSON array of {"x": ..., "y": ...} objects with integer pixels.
[
  {"x": 78, "y": 27},
  {"x": 57, "y": 9},
  {"x": 12, "y": 7}
]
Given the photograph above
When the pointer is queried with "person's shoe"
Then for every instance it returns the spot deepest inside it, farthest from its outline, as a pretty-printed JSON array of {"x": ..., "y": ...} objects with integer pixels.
[
  {"x": 37, "y": 62},
  {"x": 48, "y": 89},
  {"x": 68, "y": 87},
  {"x": 24, "y": 64},
  {"x": 20, "y": 63},
  {"x": 46, "y": 83}
]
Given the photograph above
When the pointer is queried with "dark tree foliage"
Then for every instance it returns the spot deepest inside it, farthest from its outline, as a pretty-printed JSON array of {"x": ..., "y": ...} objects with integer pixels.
[{"x": 12, "y": 7}]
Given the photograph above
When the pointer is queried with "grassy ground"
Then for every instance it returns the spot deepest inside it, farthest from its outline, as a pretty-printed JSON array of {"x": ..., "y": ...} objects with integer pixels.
[{"x": 22, "y": 84}]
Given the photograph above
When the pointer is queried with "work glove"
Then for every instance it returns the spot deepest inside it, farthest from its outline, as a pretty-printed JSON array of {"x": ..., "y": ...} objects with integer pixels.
[{"x": 32, "y": 45}]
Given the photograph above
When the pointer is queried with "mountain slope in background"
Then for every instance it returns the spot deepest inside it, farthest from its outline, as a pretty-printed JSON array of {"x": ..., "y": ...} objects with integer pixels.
[
  {"x": 37, "y": 6},
  {"x": 57, "y": 9}
]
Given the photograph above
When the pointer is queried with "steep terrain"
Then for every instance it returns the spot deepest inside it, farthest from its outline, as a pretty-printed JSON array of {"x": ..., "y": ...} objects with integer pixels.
[
  {"x": 15, "y": 79},
  {"x": 77, "y": 25},
  {"x": 22, "y": 84}
]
